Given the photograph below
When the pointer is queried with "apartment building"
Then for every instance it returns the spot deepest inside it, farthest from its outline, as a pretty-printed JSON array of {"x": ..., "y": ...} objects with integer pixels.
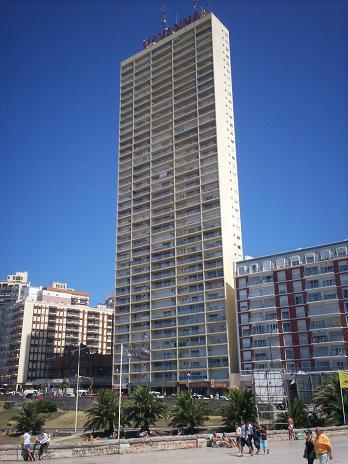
[
  {"x": 43, "y": 323},
  {"x": 178, "y": 221},
  {"x": 292, "y": 310},
  {"x": 12, "y": 290}
]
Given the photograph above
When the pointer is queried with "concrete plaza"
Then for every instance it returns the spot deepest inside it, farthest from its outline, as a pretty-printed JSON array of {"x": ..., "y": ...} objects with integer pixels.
[{"x": 282, "y": 452}]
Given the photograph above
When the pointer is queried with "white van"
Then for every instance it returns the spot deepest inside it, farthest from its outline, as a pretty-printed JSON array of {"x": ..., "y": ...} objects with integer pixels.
[{"x": 29, "y": 393}]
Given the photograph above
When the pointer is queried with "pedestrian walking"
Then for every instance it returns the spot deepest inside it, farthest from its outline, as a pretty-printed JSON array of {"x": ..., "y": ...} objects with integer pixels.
[
  {"x": 250, "y": 433},
  {"x": 244, "y": 435},
  {"x": 322, "y": 446},
  {"x": 263, "y": 436},
  {"x": 239, "y": 438},
  {"x": 309, "y": 451},
  {"x": 257, "y": 437}
]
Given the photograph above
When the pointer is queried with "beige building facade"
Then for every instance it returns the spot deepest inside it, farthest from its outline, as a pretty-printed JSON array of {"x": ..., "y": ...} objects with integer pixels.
[
  {"x": 178, "y": 221},
  {"x": 43, "y": 323}
]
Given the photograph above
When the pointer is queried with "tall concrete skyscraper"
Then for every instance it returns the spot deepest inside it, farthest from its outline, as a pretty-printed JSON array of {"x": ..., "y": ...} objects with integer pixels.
[{"x": 178, "y": 224}]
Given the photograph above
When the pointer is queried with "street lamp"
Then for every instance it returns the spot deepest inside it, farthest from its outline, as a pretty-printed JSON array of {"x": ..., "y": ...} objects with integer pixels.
[{"x": 78, "y": 381}]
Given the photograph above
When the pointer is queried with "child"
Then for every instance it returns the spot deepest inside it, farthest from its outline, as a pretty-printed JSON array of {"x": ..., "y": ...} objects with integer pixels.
[{"x": 263, "y": 436}]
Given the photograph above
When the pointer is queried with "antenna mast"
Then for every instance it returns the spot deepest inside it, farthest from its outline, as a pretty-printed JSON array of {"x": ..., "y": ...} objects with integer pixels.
[{"x": 163, "y": 18}]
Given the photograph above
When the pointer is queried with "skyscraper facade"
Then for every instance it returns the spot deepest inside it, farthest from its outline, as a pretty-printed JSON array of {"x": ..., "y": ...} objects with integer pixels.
[{"x": 178, "y": 221}]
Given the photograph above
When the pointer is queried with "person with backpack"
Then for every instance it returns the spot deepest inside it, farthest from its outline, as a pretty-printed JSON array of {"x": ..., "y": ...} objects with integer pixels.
[{"x": 309, "y": 451}]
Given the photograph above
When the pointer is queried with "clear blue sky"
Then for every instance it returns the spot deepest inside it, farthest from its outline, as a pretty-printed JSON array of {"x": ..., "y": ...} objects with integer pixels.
[{"x": 59, "y": 127}]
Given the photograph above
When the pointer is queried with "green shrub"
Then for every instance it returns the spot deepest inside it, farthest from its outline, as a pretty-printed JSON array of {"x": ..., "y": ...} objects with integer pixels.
[{"x": 45, "y": 406}]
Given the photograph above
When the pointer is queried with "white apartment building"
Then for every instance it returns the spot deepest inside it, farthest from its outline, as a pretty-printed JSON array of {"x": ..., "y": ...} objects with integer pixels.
[
  {"x": 38, "y": 324},
  {"x": 178, "y": 221},
  {"x": 292, "y": 310}
]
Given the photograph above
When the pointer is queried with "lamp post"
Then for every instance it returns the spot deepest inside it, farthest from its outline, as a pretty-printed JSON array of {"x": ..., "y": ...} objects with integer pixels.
[
  {"x": 78, "y": 381},
  {"x": 188, "y": 381}
]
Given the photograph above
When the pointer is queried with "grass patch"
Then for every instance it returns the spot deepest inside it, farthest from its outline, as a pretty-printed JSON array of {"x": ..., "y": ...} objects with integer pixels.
[{"x": 66, "y": 419}]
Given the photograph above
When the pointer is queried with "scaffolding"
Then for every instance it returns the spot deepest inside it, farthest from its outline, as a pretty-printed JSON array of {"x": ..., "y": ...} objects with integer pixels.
[{"x": 270, "y": 395}]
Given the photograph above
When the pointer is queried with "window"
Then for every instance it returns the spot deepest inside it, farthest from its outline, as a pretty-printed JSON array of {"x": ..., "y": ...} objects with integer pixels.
[
  {"x": 267, "y": 265},
  {"x": 301, "y": 325},
  {"x": 342, "y": 267},
  {"x": 341, "y": 251},
  {"x": 243, "y": 306},
  {"x": 295, "y": 260},
  {"x": 296, "y": 274},
  {"x": 245, "y": 331},
  {"x": 242, "y": 282},
  {"x": 299, "y": 298},
  {"x": 286, "y": 327},
  {"x": 281, "y": 276},
  {"x": 282, "y": 289},
  {"x": 325, "y": 254},
  {"x": 285, "y": 315},
  {"x": 303, "y": 339},
  {"x": 280, "y": 264},
  {"x": 304, "y": 352},
  {"x": 243, "y": 294},
  {"x": 297, "y": 286},
  {"x": 283, "y": 300},
  {"x": 309, "y": 258},
  {"x": 300, "y": 312}
]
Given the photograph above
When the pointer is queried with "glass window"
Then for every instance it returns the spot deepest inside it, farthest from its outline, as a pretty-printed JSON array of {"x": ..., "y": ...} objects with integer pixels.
[
  {"x": 325, "y": 254},
  {"x": 295, "y": 260},
  {"x": 300, "y": 312},
  {"x": 281, "y": 276},
  {"x": 310, "y": 258},
  {"x": 299, "y": 298},
  {"x": 286, "y": 327},
  {"x": 301, "y": 325},
  {"x": 297, "y": 286},
  {"x": 282, "y": 289}
]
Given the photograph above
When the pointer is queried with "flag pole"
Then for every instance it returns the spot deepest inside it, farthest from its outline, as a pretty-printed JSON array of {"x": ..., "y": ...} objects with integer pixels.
[
  {"x": 119, "y": 403},
  {"x": 344, "y": 414}
]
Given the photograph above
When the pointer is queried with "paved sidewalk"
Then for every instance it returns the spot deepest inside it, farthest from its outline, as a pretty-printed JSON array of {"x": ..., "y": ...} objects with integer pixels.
[{"x": 282, "y": 452}]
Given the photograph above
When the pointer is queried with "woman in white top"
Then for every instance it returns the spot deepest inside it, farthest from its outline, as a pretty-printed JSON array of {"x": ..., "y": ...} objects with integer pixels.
[
  {"x": 239, "y": 439},
  {"x": 27, "y": 446}
]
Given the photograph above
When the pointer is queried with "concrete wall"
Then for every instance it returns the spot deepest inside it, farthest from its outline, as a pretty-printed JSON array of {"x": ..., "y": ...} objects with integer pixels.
[{"x": 135, "y": 445}]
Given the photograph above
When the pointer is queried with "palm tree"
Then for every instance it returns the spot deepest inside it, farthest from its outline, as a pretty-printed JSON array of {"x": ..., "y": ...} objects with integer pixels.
[
  {"x": 187, "y": 414},
  {"x": 328, "y": 398},
  {"x": 240, "y": 406},
  {"x": 103, "y": 414},
  {"x": 143, "y": 409},
  {"x": 29, "y": 418},
  {"x": 298, "y": 411}
]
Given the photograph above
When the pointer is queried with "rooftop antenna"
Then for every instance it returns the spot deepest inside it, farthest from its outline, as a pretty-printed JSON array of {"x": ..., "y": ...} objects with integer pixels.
[
  {"x": 163, "y": 18},
  {"x": 194, "y": 6}
]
